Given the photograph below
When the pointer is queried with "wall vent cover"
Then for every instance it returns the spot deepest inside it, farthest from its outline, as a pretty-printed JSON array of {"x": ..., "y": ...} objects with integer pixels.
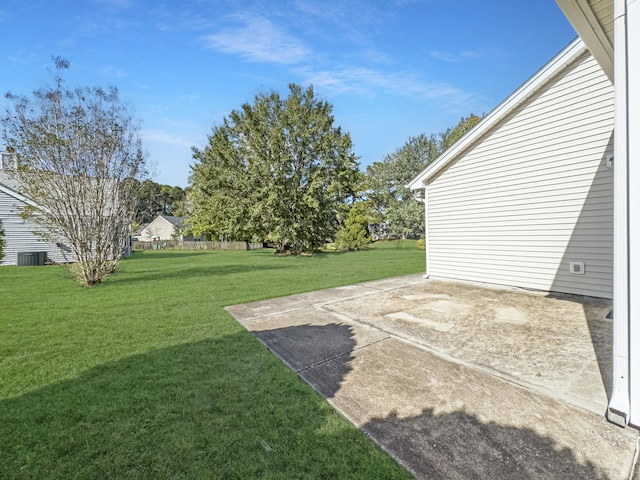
[{"x": 577, "y": 268}]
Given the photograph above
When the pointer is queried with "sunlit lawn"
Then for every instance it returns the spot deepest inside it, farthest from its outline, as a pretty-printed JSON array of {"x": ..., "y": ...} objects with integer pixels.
[{"x": 147, "y": 376}]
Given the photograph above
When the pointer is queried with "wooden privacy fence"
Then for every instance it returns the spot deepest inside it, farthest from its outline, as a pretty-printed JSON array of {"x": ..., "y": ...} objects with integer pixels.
[{"x": 178, "y": 245}]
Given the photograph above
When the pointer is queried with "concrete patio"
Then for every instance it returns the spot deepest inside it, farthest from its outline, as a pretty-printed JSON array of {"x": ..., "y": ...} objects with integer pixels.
[{"x": 459, "y": 380}]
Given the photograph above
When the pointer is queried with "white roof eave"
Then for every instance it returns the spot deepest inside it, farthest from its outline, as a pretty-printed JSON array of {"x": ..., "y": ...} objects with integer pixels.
[{"x": 18, "y": 196}]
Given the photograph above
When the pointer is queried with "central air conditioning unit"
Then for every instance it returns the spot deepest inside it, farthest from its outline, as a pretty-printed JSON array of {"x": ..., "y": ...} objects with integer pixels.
[{"x": 31, "y": 259}]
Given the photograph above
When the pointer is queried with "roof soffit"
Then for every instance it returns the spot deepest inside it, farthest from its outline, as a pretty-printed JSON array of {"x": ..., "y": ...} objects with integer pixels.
[{"x": 593, "y": 21}]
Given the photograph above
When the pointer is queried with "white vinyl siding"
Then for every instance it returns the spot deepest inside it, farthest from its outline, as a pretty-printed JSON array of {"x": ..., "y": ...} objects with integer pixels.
[
  {"x": 533, "y": 194},
  {"x": 19, "y": 236}
]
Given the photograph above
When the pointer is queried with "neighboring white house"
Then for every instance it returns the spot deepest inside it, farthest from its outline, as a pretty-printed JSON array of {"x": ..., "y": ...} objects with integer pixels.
[
  {"x": 20, "y": 241},
  {"x": 527, "y": 197},
  {"x": 164, "y": 227}
]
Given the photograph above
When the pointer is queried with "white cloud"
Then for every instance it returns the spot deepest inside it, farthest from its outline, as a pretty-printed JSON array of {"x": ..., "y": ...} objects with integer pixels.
[
  {"x": 472, "y": 54},
  {"x": 328, "y": 11},
  {"x": 365, "y": 70},
  {"x": 23, "y": 56},
  {"x": 111, "y": 71},
  {"x": 115, "y": 3},
  {"x": 366, "y": 81},
  {"x": 482, "y": 53},
  {"x": 258, "y": 40},
  {"x": 340, "y": 22},
  {"x": 443, "y": 57},
  {"x": 170, "y": 138}
]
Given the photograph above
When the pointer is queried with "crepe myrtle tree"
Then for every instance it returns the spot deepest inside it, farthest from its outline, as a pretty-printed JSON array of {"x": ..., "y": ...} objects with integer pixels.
[
  {"x": 79, "y": 158},
  {"x": 277, "y": 169}
]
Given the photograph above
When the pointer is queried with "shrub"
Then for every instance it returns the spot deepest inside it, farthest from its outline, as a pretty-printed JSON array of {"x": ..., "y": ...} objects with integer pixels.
[
  {"x": 1, "y": 241},
  {"x": 354, "y": 234}
]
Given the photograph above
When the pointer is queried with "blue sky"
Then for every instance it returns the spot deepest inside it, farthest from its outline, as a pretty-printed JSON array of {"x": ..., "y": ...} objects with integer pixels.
[{"x": 392, "y": 69}]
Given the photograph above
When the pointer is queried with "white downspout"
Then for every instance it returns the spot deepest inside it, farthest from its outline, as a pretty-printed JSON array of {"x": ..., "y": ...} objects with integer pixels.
[
  {"x": 633, "y": 158},
  {"x": 618, "y": 410},
  {"x": 425, "y": 200}
]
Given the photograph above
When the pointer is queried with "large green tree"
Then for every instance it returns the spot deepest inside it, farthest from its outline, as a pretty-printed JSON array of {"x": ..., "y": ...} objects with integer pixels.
[
  {"x": 386, "y": 180},
  {"x": 277, "y": 169}
]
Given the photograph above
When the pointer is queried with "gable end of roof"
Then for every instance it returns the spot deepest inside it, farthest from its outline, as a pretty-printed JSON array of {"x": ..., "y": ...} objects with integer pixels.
[
  {"x": 178, "y": 221},
  {"x": 521, "y": 95}
]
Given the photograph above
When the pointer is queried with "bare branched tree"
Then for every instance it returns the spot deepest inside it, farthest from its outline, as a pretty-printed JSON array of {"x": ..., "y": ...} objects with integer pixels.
[{"x": 77, "y": 153}]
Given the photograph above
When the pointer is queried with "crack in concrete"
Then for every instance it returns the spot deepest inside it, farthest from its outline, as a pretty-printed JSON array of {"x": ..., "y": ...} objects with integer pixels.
[{"x": 355, "y": 349}]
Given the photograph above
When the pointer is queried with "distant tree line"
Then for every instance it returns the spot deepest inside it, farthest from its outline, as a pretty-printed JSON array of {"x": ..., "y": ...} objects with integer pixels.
[{"x": 155, "y": 199}]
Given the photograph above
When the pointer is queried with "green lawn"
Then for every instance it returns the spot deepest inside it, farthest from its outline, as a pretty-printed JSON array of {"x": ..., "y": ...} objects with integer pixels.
[{"x": 147, "y": 376}]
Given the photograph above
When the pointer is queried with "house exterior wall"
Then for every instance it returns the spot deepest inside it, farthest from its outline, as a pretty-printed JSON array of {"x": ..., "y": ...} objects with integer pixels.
[
  {"x": 19, "y": 236},
  {"x": 533, "y": 194}
]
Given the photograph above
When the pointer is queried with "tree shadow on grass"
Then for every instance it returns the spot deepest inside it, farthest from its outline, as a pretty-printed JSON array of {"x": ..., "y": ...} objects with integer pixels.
[
  {"x": 329, "y": 254},
  {"x": 173, "y": 254},
  {"x": 221, "y": 408},
  {"x": 181, "y": 272}
]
